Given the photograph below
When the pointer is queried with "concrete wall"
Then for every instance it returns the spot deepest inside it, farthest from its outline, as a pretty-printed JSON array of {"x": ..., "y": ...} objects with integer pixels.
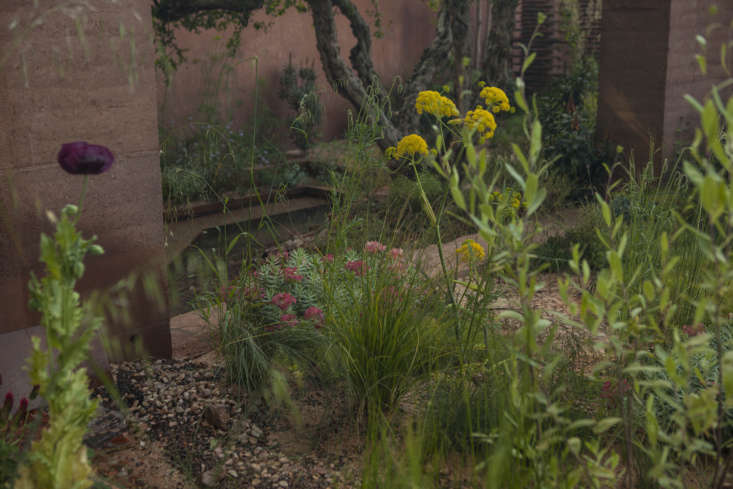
[
  {"x": 409, "y": 26},
  {"x": 648, "y": 64},
  {"x": 52, "y": 93}
]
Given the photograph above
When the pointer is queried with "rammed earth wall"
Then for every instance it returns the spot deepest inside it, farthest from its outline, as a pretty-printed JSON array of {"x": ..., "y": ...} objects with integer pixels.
[
  {"x": 648, "y": 64},
  {"x": 55, "y": 89},
  {"x": 409, "y": 26}
]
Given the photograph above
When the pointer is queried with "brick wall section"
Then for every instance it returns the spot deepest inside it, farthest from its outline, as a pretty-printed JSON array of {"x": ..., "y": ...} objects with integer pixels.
[
  {"x": 688, "y": 18},
  {"x": 633, "y": 67},
  {"x": 92, "y": 101}
]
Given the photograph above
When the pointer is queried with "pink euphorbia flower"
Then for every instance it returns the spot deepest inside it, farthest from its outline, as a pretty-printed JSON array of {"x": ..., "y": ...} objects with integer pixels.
[
  {"x": 291, "y": 273},
  {"x": 356, "y": 266},
  {"x": 374, "y": 247},
  {"x": 395, "y": 253},
  {"x": 314, "y": 314},
  {"x": 328, "y": 258},
  {"x": 290, "y": 320},
  {"x": 283, "y": 300}
]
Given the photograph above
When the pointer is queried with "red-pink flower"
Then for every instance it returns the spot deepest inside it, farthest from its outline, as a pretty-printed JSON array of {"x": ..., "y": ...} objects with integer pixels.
[
  {"x": 314, "y": 314},
  {"x": 288, "y": 320},
  {"x": 356, "y": 266},
  {"x": 395, "y": 253},
  {"x": 283, "y": 300},
  {"x": 291, "y": 273},
  {"x": 374, "y": 247},
  {"x": 328, "y": 258}
]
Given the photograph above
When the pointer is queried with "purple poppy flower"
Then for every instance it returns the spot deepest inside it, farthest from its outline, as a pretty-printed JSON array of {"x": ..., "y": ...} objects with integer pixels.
[{"x": 82, "y": 158}]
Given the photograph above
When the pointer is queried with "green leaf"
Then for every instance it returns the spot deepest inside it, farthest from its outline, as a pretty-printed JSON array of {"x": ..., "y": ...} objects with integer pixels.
[
  {"x": 520, "y": 156},
  {"x": 605, "y": 425},
  {"x": 520, "y": 100},
  {"x": 515, "y": 175},
  {"x": 530, "y": 189},
  {"x": 456, "y": 191},
  {"x": 537, "y": 202},
  {"x": 710, "y": 123},
  {"x": 691, "y": 100},
  {"x": 605, "y": 210},
  {"x": 535, "y": 145},
  {"x": 648, "y": 290},
  {"x": 528, "y": 61},
  {"x": 702, "y": 62}
]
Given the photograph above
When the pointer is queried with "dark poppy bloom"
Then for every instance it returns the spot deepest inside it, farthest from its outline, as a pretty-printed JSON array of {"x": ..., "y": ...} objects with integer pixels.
[{"x": 82, "y": 158}]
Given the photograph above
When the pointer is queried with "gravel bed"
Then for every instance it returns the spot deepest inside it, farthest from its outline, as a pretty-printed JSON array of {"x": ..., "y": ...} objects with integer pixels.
[{"x": 220, "y": 439}]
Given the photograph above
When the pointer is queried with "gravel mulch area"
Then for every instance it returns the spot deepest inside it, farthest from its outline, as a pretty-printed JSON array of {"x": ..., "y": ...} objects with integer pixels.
[{"x": 210, "y": 436}]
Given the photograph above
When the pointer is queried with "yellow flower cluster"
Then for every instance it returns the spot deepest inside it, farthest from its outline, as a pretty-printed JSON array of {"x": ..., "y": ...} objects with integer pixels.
[
  {"x": 483, "y": 121},
  {"x": 408, "y": 146},
  {"x": 515, "y": 198},
  {"x": 471, "y": 251},
  {"x": 432, "y": 102},
  {"x": 495, "y": 99}
]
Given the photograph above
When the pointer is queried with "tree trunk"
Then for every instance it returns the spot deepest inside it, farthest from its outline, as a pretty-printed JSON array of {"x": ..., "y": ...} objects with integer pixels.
[
  {"x": 439, "y": 62},
  {"x": 347, "y": 82},
  {"x": 497, "y": 54}
]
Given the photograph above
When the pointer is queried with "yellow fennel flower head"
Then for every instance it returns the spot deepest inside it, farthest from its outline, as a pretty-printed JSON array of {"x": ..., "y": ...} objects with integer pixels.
[
  {"x": 471, "y": 251},
  {"x": 495, "y": 99},
  {"x": 411, "y": 145},
  {"x": 481, "y": 84},
  {"x": 390, "y": 152},
  {"x": 483, "y": 121},
  {"x": 432, "y": 102}
]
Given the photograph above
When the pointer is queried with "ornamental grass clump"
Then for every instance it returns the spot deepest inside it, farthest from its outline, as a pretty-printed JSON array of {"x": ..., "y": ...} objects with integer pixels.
[{"x": 382, "y": 324}]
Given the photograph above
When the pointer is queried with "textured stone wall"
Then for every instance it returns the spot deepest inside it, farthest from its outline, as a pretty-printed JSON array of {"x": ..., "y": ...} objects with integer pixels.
[
  {"x": 57, "y": 87},
  {"x": 648, "y": 64},
  {"x": 409, "y": 26}
]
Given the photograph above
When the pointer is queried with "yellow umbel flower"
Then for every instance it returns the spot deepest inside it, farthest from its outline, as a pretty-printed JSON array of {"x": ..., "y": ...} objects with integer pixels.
[
  {"x": 432, "y": 102},
  {"x": 483, "y": 121},
  {"x": 471, "y": 251},
  {"x": 411, "y": 145},
  {"x": 495, "y": 99}
]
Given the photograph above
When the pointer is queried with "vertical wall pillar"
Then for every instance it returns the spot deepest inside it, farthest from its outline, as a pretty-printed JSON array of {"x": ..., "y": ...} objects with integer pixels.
[
  {"x": 647, "y": 66},
  {"x": 57, "y": 86}
]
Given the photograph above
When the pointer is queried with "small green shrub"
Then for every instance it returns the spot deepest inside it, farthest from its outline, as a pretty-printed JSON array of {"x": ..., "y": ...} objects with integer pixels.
[
  {"x": 268, "y": 312},
  {"x": 298, "y": 89},
  {"x": 568, "y": 115}
]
